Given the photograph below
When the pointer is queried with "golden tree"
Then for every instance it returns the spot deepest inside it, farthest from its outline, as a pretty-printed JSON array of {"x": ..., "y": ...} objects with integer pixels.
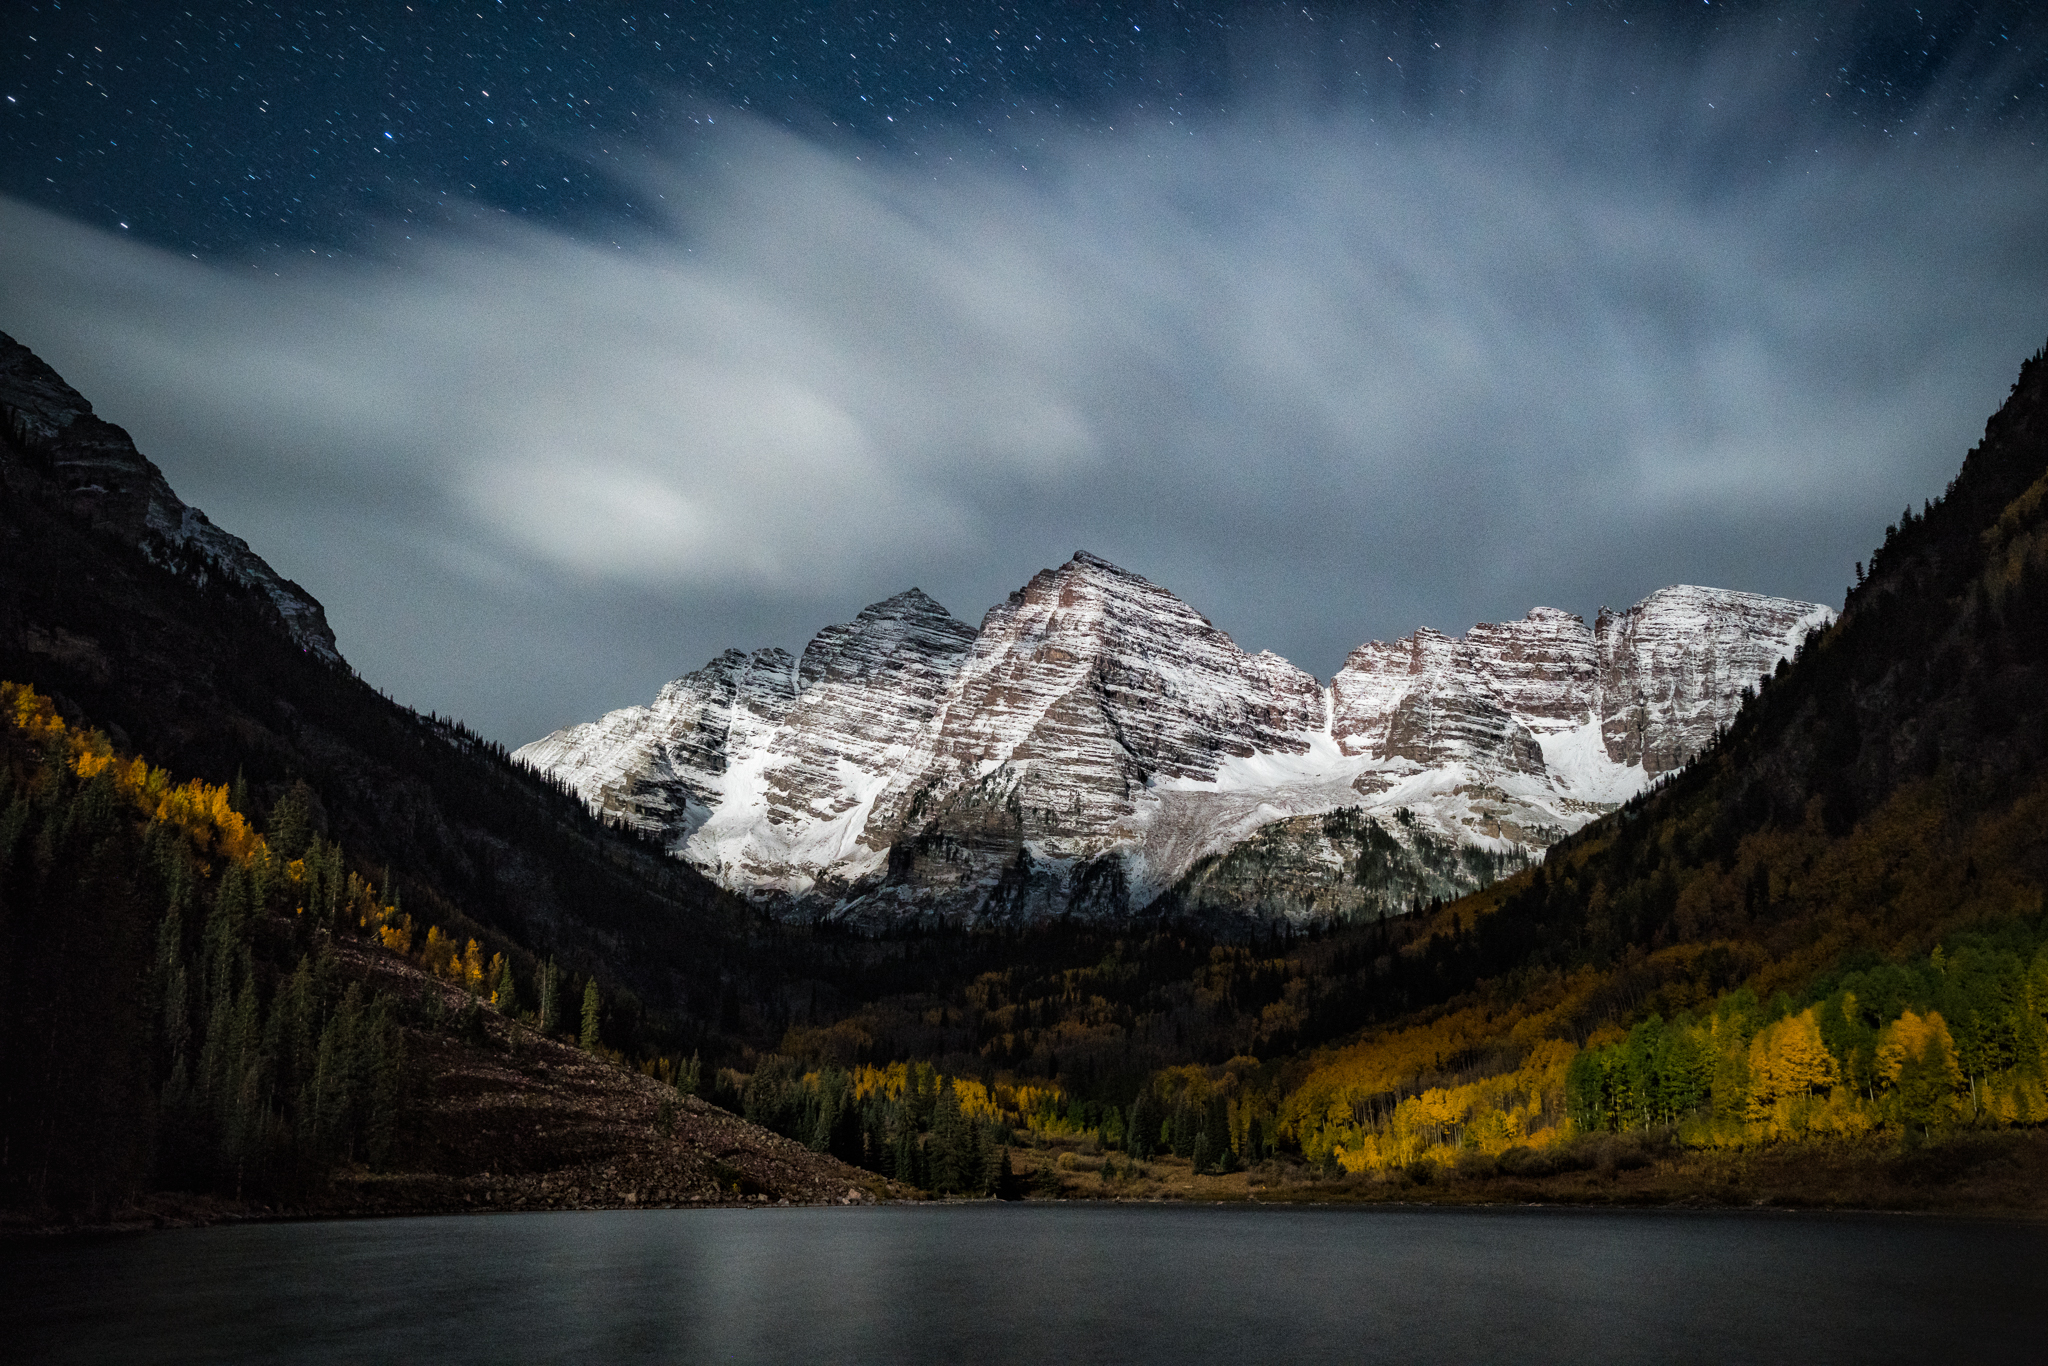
[{"x": 1788, "y": 1060}]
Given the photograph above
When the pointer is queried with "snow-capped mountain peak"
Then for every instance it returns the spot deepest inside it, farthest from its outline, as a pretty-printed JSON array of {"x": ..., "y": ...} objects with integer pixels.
[{"x": 1096, "y": 739}]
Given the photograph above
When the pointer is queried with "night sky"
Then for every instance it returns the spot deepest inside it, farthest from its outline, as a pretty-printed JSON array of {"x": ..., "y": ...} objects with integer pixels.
[{"x": 556, "y": 347}]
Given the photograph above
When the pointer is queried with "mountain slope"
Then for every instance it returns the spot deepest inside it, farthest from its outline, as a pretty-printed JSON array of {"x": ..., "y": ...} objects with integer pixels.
[
  {"x": 1096, "y": 745},
  {"x": 1922, "y": 714},
  {"x": 197, "y": 1008},
  {"x": 1834, "y": 923},
  {"x": 198, "y": 654}
]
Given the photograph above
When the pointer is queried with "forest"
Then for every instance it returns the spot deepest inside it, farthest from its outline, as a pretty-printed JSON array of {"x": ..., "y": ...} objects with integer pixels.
[{"x": 171, "y": 982}]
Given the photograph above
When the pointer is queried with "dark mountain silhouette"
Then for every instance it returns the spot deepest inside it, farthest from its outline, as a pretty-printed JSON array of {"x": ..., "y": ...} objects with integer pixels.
[
  {"x": 1883, "y": 788},
  {"x": 194, "y": 652}
]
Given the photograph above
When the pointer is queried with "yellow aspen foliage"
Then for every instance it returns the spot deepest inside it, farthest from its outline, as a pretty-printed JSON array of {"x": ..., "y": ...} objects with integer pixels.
[
  {"x": 1921, "y": 1038},
  {"x": 2017, "y": 1098},
  {"x": 889, "y": 1082},
  {"x": 199, "y": 810},
  {"x": 440, "y": 956},
  {"x": 472, "y": 967},
  {"x": 1034, "y": 1100},
  {"x": 1786, "y": 1060},
  {"x": 1188, "y": 1081},
  {"x": 892, "y": 1082},
  {"x": 32, "y": 713},
  {"x": 397, "y": 938},
  {"x": 1437, "y": 1108},
  {"x": 1917, "y": 1055},
  {"x": 975, "y": 1100}
]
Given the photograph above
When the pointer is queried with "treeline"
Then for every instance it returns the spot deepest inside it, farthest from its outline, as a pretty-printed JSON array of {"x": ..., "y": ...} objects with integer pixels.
[
  {"x": 1955, "y": 1039},
  {"x": 944, "y": 1134},
  {"x": 1101, "y": 1009},
  {"x": 178, "y": 1013},
  {"x": 951, "y": 1135},
  {"x": 1959, "y": 1037}
]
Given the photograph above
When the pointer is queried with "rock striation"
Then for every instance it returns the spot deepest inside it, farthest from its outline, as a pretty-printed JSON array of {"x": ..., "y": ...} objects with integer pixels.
[
  {"x": 1097, "y": 747},
  {"x": 52, "y": 430}
]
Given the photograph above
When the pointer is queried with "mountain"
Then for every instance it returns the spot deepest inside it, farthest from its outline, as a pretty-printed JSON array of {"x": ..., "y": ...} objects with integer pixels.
[
  {"x": 93, "y": 466},
  {"x": 1097, "y": 748},
  {"x": 138, "y": 616}
]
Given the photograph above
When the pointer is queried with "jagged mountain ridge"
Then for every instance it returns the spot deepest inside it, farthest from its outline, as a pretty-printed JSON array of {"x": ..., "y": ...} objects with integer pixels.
[
  {"x": 97, "y": 468},
  {"x": 1097, "y": 740}
]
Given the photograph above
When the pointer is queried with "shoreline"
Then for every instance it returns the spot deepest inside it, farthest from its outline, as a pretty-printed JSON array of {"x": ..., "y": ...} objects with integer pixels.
[{"x": 2001, "y": 1175}]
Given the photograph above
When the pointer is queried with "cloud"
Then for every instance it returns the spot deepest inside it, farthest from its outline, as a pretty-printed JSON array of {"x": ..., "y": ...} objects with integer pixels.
[{"x": 1328, "y": 371}]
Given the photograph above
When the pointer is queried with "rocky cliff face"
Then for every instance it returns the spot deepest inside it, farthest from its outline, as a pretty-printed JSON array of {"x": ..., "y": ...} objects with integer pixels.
[
  {"x": 52, "y": 432},
  {"x": 1097, "y": 745},
  {"x": 1669, "y": 664}
]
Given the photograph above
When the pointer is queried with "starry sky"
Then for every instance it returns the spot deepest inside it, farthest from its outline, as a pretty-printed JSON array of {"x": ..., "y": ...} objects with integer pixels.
[{"x": 557, "y": 346}]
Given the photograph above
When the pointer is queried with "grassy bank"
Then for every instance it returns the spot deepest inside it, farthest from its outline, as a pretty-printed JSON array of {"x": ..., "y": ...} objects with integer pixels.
[{"x": 2000, "y": 1172}]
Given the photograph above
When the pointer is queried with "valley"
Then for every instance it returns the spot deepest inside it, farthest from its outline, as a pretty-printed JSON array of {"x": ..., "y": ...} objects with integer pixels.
[{"x": 1718, "y": 885}]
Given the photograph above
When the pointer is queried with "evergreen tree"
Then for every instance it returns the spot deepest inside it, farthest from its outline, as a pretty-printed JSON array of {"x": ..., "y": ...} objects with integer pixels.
[
  {"x": 948, "y": 1143},
  {"x": 291, "y": 824},
  {"x": 505, "y": 992},
  {"x": 1183, "y": 1127},
  {"x": 1143, "y": 1129},
  {"x": 909, "y": 1164},
  {"x": 1004, "y": 1184},
  {"x": 1216, "y": 1129},
  {"x": 593, "y": 1005}
]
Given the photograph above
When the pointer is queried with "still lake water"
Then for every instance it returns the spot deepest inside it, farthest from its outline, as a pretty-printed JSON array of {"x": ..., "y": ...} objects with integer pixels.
[{"x": 1065, "y": 1283}]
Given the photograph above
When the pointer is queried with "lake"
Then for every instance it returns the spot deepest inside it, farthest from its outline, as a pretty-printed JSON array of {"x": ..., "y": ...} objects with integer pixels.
[{"x": 1069, "y": 1283}]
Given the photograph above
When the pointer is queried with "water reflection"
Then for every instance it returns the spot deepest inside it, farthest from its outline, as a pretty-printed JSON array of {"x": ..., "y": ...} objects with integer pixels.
[{"x": 1068, "y": 1283}]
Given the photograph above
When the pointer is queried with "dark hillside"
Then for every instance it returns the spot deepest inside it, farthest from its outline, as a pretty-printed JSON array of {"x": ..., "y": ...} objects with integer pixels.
[
  {"x": 1887, "y": 786},
  {"x": 179, "y": 660}
]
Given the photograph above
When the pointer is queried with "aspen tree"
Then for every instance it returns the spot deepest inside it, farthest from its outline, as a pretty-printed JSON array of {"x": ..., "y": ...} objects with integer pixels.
[{"x": 550, "y": 998}]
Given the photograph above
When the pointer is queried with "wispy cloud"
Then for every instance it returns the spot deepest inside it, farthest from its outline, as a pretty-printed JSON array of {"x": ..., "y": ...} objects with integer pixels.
[{"x": 1328, "y": 372}]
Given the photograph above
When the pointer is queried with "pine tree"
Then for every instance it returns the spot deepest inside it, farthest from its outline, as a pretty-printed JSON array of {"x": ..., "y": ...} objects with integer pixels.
[
  {"x": 290, "y": 827},
  {"x": 505, "y": 992},
  {"x": 909, "y": 1156},
  {"x": 592, "y": 1007},
  {"x": 1216, "y": 1129},
  {"x": 951, "y": 1154}
]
